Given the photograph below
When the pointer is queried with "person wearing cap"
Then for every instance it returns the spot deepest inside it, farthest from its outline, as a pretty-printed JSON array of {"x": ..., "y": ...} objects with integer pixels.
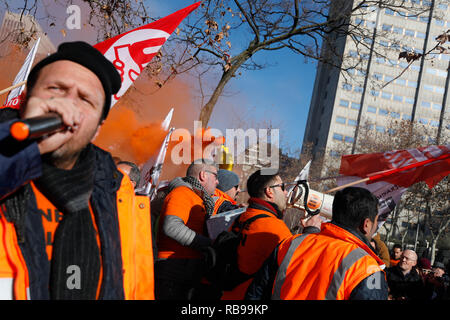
[
  {"x": 68, "y": 216},
  {"x": 226, "y": 191},
  {"x": 437, "y": 282}
]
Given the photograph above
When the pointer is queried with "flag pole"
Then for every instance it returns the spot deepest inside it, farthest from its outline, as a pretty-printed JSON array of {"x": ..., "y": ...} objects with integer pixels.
[
  {"x": 347, "y": 185},
  {"x": 12, "y": 87},
  {"x": 378, "y": 175}
]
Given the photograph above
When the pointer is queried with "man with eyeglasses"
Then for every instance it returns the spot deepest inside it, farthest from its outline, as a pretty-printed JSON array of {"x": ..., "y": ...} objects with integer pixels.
[
  {"x": 268, "y": 196},
  {"x": 181, "y": 237},
  {"x": 404, "y": 281}
]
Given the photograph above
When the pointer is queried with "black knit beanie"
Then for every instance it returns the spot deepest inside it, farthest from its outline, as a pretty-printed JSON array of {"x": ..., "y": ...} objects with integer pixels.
[{"x": 83, "y": 53}]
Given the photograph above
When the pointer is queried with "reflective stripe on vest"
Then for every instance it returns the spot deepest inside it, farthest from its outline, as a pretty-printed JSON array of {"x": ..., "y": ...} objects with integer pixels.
[
  {"x": 339, "y": 275},
  {"x": 281, "y": 274}
]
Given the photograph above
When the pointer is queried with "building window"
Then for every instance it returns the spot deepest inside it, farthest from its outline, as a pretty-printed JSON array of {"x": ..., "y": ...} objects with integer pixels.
[
  {"x": 406, "y": 117},
  {"x": 425, "y": 104},
  {"x": 389, "y": 12},
  {"x": 355, "y": 106},
  {"x": 383, "y": 112},
  {"x": 352, "y": 123},
  {"x": 358, "y": 89},
  {"x": 420, "y": 35},
  {"x": 400, "y": 81},
  {"x": 343, "y": 103},
  {"x": 340, "y": 120},
  {"x": 380, "y": 129},
  {"x": 434, "y": 123},
  {"x": 386, "y": 95},
  {"x": 409, "y": 100},
  {"x": 386, "y": 27},
  {"x": 423, "y": 121},
  {"x": 334, "y": 154},
  {"x": 395, "y": 115},
  {"x": 374, "y": 93},
  {"x": 347, "y": 86},
  {"x": 349, "y": 139},
  {"x": 412, "y": 84},
  {"x": 409, "y": 33},
  {"x": 398, "y": 98},
  {"x": 437, "y": 106},
  {"x": 371, "y": 109},
  {"x": 428, "y": 87},
  {"x": 337, "y": 136}
]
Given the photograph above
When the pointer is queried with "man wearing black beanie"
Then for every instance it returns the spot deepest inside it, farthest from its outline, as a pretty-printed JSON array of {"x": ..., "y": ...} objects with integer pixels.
[{"x": 70, "y": 213}]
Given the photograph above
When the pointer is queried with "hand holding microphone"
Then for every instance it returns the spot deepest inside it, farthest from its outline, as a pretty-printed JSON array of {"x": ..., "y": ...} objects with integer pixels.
[{"x": 53, "y": 119}]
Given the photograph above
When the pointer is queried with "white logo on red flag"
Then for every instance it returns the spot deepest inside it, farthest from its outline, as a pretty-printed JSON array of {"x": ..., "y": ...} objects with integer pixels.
[{"x": 132, "y": 51}]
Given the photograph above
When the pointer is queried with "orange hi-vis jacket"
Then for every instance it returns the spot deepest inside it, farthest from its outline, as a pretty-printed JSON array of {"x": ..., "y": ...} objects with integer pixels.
[
  {"x": 259, "y": 240},
  {"x": 126, "y": 248},
  {"x": 219, "y": 198},
  {"x": 323, "y": 266},
  {"x": 394, "y": 262}
]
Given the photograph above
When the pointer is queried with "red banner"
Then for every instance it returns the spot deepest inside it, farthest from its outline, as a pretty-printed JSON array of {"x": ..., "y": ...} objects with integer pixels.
[{"x": 400, "y": 167}]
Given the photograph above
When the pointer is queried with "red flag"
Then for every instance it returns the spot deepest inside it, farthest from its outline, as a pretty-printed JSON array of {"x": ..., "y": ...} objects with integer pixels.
[
  {"x": 400, "y": 167},
  {"x": 131, "y": 52}
]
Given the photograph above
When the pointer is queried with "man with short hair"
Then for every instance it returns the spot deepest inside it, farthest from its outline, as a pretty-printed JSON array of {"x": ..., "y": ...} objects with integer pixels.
[
  {"x": 68, "y": 217},
  {"x": 182, "y": 236},
  {"x": 335, "y": 264},
  {"x": 396, "y": 254},
  {"x": 131, "y": 170},
  {"x": 268, "y": 197},
  {"x": 404, "y": 281}
]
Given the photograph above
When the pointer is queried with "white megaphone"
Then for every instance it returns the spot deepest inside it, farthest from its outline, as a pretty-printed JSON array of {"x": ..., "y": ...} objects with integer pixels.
[{"x": 312, "y": 202}]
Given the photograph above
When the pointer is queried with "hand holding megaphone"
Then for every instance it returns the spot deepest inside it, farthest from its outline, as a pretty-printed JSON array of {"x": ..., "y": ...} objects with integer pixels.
[
  {"x": 312, "y": 202},
  {"x": 53, "y": 121}
]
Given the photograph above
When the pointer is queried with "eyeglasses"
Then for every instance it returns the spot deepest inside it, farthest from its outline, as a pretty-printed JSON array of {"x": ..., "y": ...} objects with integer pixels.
[
  {"x": 407, "y": 258},
  {"x": 212, "y": 172},
  {"x": 281, "y": 185}
]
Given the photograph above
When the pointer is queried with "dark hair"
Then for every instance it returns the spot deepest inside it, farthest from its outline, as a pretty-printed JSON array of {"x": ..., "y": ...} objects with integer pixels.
[
  {"x": 352, "y": 205},
  {"x": 397, "y": 245},
  {"x": 257, "y": 182},
  {"x": 135, "y": 173}
]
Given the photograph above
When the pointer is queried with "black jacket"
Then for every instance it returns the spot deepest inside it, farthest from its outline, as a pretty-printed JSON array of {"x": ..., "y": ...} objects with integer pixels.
[{"x": 409, "y": 286}]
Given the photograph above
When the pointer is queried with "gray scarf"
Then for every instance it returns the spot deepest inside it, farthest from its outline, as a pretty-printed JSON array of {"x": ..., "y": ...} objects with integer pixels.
[{"x": 206, "y": 197}]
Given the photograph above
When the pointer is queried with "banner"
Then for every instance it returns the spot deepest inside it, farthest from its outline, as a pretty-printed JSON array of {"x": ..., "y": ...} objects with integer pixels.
[
  {"x": 132, "y": 51},
  {"x": 391, "y": 173}
]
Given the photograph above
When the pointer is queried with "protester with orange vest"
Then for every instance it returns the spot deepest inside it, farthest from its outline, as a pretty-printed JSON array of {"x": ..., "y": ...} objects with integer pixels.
[
  {"x": 70, "y": 224},
  {"x": 182, "y": 236},
  {"x": 226, "y": 192},
  {"x": 268, "y": 197},
  {"x": 396, "y": 254},
  {"x": 335, "y": 264}
]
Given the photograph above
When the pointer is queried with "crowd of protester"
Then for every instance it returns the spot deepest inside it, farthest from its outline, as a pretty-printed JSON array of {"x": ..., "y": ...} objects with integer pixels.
[{"x": 72, "y": 226}]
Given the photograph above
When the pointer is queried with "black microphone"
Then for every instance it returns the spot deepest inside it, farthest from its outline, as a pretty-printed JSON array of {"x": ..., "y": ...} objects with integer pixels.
[{"x": 36, "y": 127}]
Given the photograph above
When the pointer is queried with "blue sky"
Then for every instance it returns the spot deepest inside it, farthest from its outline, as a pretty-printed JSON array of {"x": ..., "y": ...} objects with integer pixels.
[{"x": 279, "y": 93}]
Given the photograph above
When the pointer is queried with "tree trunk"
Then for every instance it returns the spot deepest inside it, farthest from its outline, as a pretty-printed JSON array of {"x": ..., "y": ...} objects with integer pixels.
[
  {"x": 207, "y": 109},
  {"x": 433, "y": 250}
]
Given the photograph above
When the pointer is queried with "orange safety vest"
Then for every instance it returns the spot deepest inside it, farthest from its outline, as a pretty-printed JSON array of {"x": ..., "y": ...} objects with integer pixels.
[
  {"x": 259, "y": 240},
  {"x": 394, "y": 262},
  {"x": 323, "y": 266},
  {"x": 136, "y": 250},
  {"x": 219, "y": 198}
]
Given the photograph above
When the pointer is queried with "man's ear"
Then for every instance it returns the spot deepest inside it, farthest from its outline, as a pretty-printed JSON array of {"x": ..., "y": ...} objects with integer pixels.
[
  {"x": 268, "y": 192},
  {"x": 202, "y": 176},
  {"x": 366, "y": 226},
  {"x": 98, "y": 130}
]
